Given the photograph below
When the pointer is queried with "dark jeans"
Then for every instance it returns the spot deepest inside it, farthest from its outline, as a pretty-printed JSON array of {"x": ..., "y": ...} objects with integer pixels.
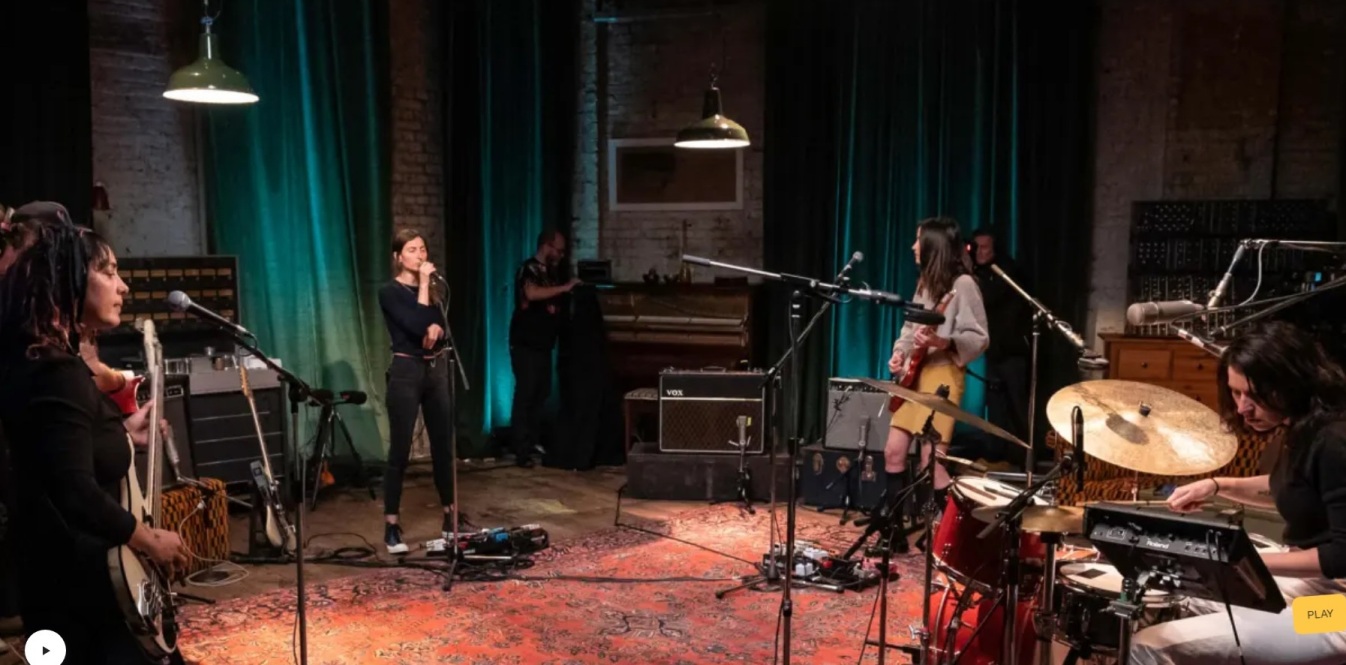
[
  {"x": 532, "y": 384},
  {"x": 418, "y": 386}
]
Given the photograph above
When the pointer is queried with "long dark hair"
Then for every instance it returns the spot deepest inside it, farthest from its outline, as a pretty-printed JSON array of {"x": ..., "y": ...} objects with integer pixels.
[
  {"x": 943, "y": 256},
  {"x": 42, "y": 295},
  {"x": 1289, "y": 373}
]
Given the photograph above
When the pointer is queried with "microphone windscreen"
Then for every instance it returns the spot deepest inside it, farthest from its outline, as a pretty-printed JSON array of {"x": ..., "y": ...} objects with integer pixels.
[{"x": 179, "y": 301}]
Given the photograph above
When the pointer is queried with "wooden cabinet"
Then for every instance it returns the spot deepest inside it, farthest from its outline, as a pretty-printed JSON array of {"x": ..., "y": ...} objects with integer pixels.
[{"x": 1169, "y": 362}]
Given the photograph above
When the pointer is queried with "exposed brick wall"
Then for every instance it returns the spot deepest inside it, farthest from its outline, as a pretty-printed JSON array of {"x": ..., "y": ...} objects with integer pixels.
[
  {"x": 1209, "y": 99},
  {"x": 418, "y": 120},
  {"x": 144, "y": 146},
  {"x": 648, "y": 80}
]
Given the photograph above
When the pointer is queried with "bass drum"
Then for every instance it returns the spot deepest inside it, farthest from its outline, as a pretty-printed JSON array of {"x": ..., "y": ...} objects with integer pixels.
[{"x": 967, "y": 626}]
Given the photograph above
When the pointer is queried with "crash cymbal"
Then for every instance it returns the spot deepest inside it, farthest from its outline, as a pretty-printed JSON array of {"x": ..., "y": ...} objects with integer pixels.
[
  {"x": 1067, "y": 520},
  {"x": 1144, "y": 428},
  {"x": 940, "y": 405}
]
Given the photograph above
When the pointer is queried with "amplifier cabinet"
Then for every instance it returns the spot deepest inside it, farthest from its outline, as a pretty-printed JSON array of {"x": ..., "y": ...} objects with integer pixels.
[
  {"x": 856, "y": 412},
  {"x": 224, "y": 438},
  {"x": 699, "y": 411}
]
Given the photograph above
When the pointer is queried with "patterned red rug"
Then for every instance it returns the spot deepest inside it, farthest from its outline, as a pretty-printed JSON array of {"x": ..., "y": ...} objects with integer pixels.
[{"x": 620, "y": 596}]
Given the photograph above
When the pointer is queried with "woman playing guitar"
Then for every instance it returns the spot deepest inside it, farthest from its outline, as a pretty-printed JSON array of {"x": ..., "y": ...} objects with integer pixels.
[
  {"x": 945, "y": 281},
  {"x": 68, "y": 445}
]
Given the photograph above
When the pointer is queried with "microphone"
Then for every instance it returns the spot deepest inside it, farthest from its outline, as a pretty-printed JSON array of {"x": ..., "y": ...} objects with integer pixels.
[
  {"x": 180, "y": 302},
  {"x": 864, "y": 435},
  {"x": 1209, "y": 347},
  {"x": 1228, "y": 275},
  {"x": 1163, "y": 311},
  {"x": 922, "y": 316},
  {"x": 855, "y": 258},
  {"x": 1092, "y": 360},
  {"x": 1077, "y": 431}
]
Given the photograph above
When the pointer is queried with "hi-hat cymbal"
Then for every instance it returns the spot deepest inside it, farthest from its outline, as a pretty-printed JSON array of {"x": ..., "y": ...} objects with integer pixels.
[
  {"x": 940, "y": 405},
  {"x": 1068, "y": 520},
  {"x": 1144, "y": 428}
]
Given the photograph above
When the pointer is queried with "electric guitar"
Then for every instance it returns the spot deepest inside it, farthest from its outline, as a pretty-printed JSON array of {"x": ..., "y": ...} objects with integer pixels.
[
  {"x": 277, "y": 528},
  {"x": 911, "y": 369},
  {"x": 142, "y": 587}
]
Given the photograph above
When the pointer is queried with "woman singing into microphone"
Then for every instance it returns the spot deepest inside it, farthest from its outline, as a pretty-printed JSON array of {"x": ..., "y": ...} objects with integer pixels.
[{"x": 418, "y": 378}]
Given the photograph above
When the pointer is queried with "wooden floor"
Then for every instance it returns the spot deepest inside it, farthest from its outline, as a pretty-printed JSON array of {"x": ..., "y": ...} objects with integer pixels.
[{"x": 565, "y": 503}]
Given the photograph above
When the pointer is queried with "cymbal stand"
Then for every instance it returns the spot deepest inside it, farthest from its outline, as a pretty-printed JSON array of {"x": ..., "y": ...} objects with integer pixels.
[
  {"x": 888, "y": 519},
  {"x": 1089, "y": 359},
  {"x": 1009, "y": 519}
]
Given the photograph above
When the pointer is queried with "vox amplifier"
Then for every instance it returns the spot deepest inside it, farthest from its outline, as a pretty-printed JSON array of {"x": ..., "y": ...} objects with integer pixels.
[{"x": 699, "y": 411}]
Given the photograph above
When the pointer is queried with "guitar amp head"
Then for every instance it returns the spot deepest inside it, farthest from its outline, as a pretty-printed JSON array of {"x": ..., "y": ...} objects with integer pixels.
[{"x": 699, "y": 411}]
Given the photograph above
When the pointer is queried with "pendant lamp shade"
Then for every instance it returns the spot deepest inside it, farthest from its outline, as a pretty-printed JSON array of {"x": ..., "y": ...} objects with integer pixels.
[
  {"x": 713, "y": 130},
  {"x": 209, "y": 80}
]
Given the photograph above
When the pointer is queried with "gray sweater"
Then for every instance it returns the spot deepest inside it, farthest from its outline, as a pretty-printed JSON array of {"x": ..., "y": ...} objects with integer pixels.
[{"x": 964, "y": 324}]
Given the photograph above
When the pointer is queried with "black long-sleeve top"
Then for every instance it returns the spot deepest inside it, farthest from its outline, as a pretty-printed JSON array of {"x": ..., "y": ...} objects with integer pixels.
[
  {"x": 69, "y": 453},
  {"x": 408, "y": 320},
  {"x": 1309, "y": 488}
]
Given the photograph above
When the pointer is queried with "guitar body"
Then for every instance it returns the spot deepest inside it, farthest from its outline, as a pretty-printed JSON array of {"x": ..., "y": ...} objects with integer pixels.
[
  {"x": 911, "y": 369},
  {"x": 142, "y": 588}
]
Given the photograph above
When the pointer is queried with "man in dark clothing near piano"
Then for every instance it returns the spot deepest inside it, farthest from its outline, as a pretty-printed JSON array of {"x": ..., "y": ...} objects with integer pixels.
[
  {"x": 538, "y": 309},
  {"x": 1009, "y": 320}
]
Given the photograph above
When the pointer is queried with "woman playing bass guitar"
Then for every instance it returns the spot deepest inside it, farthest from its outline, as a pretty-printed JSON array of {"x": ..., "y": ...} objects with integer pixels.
[{"x": 948, "y": 347}]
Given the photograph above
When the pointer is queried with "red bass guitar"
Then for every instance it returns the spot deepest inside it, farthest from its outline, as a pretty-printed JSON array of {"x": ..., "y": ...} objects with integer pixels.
[{"x": 911, "y": 369}]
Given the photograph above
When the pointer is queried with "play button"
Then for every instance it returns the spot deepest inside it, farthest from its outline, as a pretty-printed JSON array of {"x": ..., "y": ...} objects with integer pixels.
[{"x": 44, "y": 648}]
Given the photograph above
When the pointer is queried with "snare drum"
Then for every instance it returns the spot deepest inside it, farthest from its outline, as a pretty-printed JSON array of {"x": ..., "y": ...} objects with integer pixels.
[
  {"x": 959, "y": 551},
  {"x": 1084, "y": 593}
]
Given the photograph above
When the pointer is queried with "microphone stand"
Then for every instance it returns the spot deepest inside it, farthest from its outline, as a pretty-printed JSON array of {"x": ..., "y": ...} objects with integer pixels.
[
  {"x": 1088, "y": 359},
  {"x": 456, "y": 361},
  {"x": 299, "y": 392},
  {"x": 827, "y": 292}
]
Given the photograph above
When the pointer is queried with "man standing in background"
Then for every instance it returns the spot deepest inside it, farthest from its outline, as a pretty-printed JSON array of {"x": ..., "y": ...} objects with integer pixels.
[
  {"x": 1009, "y": 319},
  {"x": 538, "y": 308}
]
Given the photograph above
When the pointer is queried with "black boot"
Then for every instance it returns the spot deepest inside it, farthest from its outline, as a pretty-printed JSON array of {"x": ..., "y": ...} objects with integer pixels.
[{"x": 892, "y": 511}]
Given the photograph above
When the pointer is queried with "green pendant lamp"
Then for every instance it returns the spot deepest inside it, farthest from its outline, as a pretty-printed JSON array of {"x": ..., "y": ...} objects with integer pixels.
[
  {"x": 209, "y": 80},
  {"x": 713, "y": 130}
]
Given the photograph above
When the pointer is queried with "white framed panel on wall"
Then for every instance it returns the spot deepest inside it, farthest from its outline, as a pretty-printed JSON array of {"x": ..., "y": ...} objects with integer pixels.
[{"x": 653, "y": 175}]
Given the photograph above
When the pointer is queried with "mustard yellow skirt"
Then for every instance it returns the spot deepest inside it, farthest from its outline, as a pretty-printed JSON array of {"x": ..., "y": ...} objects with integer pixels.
[{"x": 911, "y": 416}]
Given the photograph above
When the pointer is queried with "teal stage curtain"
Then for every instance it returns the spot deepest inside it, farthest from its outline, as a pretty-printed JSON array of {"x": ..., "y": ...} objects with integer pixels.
[
  {"x": 511, "y": 76},
  {"x": 297, "y": 189},
  {"x": 881, "y": 114}
]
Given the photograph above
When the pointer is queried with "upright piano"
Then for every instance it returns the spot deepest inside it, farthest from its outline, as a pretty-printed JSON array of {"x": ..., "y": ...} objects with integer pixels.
[{"x": 685, "y": 326}]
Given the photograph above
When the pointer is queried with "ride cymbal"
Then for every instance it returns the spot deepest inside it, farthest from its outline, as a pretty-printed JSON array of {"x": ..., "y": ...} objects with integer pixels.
[{"x": 1144, "y": 428}]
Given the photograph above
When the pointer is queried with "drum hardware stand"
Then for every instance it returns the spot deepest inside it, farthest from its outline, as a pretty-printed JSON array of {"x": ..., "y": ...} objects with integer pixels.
[
  {"x": 1089, "y": 359},
  {"x": 888, "y": 519},
  {"x": 828, "y": 293},
  {"x": 744, "y": 473},
  {"x": 1010, "y": 519},
  {"x": 1128, "y": 608}
]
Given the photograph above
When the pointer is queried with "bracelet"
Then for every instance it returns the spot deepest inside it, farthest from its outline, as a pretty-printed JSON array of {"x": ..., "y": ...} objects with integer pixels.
[{"x": 1217, "y": 486}]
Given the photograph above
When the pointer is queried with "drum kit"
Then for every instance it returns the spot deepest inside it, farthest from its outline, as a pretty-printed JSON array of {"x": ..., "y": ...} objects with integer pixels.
[{"x": 997, "y": 545}]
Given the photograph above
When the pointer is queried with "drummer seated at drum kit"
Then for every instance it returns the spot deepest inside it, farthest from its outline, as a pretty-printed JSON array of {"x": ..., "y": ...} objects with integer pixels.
[
  {"x": 949, "y": 348},
  {"x": 1276, "y": 377}
]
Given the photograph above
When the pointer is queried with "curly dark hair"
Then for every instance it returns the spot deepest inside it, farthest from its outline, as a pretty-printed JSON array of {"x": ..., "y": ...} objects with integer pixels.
[
  {"x": 42, "y": 295},
  {"x": 943, "y": 256},
  {"x": 1288, "y": 372}
]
